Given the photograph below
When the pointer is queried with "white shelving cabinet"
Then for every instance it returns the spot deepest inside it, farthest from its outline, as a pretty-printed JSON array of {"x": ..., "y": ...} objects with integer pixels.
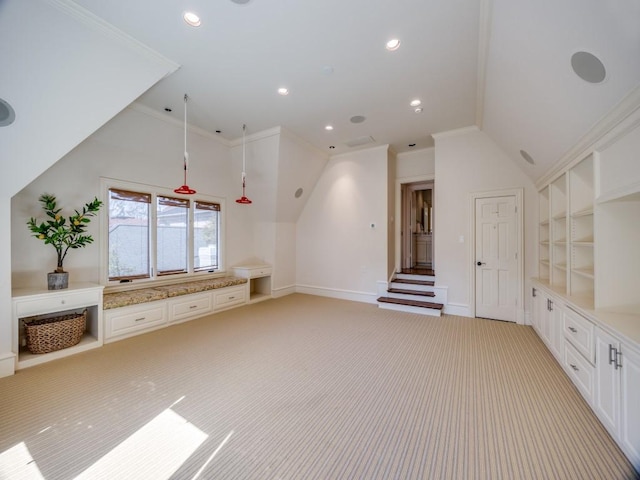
[
  {"x": 259, "y": 276},
  {"x": 30, "y": 302}
]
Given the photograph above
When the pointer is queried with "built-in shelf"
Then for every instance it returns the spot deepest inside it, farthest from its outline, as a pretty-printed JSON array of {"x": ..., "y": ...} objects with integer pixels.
[
  {"x": 42, "y": 303},
  {"x": 583, "y": 213},
  {"x": 583, "y": 243},
  {"x": 259, "y": 276},
  {"x": 584, "y": 272}
]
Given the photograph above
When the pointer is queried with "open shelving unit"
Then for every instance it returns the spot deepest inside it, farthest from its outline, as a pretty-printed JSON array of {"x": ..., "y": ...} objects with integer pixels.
[
  {"x": 544, "y": 265},
  {"x": 558, "y": 215},
  {"x": 581, "y": 240}
]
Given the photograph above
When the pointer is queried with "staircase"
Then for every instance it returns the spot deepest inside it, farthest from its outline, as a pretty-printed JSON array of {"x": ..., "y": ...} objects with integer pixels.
[{"x": 414, "y": 291}]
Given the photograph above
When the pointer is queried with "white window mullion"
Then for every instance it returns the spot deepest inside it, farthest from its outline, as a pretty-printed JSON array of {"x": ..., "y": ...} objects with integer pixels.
[{"x": 153, "y": 237}]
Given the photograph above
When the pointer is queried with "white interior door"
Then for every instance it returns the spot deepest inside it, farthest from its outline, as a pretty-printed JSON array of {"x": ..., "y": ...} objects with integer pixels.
[{"x": 496, "y": 258}]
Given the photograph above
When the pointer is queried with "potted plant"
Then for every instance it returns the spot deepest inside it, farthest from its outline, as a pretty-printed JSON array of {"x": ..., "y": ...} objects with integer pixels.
[{"x": 63, "y": 234}]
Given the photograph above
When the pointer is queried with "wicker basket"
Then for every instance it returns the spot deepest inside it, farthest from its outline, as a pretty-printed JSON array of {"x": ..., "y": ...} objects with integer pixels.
[{"x": 46, "y": 335}]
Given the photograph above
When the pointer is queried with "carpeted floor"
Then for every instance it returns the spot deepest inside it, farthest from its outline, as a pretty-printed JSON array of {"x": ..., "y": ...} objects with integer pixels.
[{"x": 307, "y": 387}]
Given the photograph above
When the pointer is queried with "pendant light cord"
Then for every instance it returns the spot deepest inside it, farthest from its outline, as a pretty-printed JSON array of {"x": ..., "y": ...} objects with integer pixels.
[{"x": 186, "y": 155}]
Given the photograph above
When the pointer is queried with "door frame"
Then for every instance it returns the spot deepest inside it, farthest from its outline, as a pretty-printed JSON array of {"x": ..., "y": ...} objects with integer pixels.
[
  {"x": 518, "y": 193},
  {"x": 398, "y": 214}
]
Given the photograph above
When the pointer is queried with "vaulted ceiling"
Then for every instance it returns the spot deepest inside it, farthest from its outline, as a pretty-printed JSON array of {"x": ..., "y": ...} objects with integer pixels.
[{"x": 504, "y": 65}]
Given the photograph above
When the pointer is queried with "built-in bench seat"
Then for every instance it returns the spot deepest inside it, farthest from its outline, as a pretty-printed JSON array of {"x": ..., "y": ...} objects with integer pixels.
[{"x": 151, "y": 294}]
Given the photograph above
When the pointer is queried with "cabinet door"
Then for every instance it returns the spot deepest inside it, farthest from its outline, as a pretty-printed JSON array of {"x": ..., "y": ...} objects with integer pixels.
[
  {"x": 556, "y": 337},
  {"x": 536, "y": 302},
  {"x": 607, "y": 389},
  {"x": 630, "y": 396}
]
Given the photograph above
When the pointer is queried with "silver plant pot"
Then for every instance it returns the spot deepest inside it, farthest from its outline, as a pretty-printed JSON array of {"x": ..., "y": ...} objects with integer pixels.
[{"x": 58, "y": 281}]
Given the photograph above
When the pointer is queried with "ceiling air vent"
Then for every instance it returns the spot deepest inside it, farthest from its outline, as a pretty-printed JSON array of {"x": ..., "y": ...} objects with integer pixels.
[{"x": 356, "y": 142}]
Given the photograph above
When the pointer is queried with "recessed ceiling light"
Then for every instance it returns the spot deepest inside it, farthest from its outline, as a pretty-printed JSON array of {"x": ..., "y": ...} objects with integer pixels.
[
  {"x": 283, "y": 91},
  {"x": 328, "y": 127},
  {"x": 418, "y": 109},
  {"x": 393, "y": 44},
  {"x": 415, "y": 103},
  {"x": 240, "y": 2},
  {"x": 298, "y": 193},
  {"x": 191, "y": 19},
  {"x": 357, "y": 119}
]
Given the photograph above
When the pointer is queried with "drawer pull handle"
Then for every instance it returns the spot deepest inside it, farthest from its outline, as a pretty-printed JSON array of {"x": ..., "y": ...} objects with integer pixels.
[
  {"x": 193, "y": 306},
  {"x": 139, "y": 319},
  {"x": 576, "y": 369},
  {"x": 62, "y": 302},
  {"x": 618, "y": 355},
  {"x": 231, "y": 298},
  {"x": 573, "y": 330},
  {"x": 612, "y": 355}
]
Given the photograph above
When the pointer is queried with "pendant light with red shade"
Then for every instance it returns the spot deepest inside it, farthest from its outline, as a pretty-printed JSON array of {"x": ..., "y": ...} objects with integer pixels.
[
  {"x": 243, "y": 200},
  {"x": 185, "y": 189}
]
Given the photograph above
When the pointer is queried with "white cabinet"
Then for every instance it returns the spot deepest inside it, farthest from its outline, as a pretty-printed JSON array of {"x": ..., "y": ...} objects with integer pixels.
[
  {"x": 49, "y": 303},
  {"x": 127, "y": 321},
  {"x": 190, "y": 306},
  {"x": 548, "y": 321},
  {"x": 617, "y": 392},
  {"x": 259, "y": 276},
  {"x": 230, "y": 297},
  {"x": 630, "y": 410}
]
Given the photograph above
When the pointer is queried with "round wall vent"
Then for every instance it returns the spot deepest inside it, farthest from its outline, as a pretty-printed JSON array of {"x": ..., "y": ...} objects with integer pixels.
[
  {"x": 588, "y": 67},
  {"x": 7, "y": 114},
  {"x": 527, "y": 157}
]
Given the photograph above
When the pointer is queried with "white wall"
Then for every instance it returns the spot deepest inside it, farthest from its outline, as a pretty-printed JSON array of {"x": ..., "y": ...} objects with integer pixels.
[
  {"x": 416, "y": 163},
  {"x": 468, "y": 161},
  {"x": 135, "y": 146},
  {"x": 66, "y": 73},
  {"x": 338, "y": 253}
]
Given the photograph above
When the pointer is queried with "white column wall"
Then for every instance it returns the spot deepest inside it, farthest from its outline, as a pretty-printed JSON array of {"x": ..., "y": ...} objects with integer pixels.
[
  {"x": 338, "y": 253},
  {"x": 468, "y": 161}
]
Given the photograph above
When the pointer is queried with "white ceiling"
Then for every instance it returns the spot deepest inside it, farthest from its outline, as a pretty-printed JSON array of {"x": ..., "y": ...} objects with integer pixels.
[{"x": 232, "y": 65}]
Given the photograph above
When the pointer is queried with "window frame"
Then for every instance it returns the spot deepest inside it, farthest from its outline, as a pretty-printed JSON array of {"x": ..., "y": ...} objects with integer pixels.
[{"x": 106, "y": 184}]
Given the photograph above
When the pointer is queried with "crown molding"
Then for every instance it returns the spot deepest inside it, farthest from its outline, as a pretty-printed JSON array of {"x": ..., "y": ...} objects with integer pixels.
[
  {"x": 594, "y": 138},
  {"x": 457, "y": 132},
  {"x": 484, "y": 39},
  {"x": 150, "y": 112},
  {"x": 99, "y": 25}
]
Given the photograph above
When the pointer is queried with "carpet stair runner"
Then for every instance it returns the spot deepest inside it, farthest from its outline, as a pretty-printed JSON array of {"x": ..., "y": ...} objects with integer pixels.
[{"x": 414, "y": 291}]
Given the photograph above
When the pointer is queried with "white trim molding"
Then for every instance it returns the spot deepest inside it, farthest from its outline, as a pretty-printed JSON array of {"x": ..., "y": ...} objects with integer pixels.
[
  {"x": 7, "y": 364},
  {"x": 283, "y": 291},
  {"x": 364, "y": 297}
]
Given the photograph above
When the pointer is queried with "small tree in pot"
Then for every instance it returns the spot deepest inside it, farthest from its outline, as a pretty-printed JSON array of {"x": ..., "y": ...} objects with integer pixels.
[{"x": 63, "y": 233}]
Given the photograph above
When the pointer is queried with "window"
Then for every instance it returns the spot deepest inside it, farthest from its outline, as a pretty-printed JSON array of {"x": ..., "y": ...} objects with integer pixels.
[{"x": 153, "y": 233}]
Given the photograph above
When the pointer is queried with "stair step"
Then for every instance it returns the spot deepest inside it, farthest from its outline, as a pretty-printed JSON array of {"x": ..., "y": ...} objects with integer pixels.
[
  {"x": 418, "y": 271},
  {"x": 411, "y": 303},
  {"x": 411, "y": 292},
  {"x": 426, "y": 283}
]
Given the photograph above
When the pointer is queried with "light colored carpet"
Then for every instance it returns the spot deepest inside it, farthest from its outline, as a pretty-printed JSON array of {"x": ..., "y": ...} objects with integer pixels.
[{"x": 307, "y": 387}]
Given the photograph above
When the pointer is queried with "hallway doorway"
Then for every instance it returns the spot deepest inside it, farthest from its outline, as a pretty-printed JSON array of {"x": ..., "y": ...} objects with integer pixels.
[{"x": 417, "y": 214}]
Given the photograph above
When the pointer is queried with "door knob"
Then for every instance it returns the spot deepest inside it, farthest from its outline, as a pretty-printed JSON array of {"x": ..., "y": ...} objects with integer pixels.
[{"x": 480, "y": 263}]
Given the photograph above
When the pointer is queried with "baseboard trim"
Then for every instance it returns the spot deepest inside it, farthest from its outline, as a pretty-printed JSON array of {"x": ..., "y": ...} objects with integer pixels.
[
  {"x": 460, "y": 309},
  {"x": 7, "y": 364},
  {"x": 363, "y": 297},
  {"x": 283, "y": 291}
]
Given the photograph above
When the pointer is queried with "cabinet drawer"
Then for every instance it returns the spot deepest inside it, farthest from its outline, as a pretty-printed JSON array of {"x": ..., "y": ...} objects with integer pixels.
[
  {"x": 253, "y": 272},
  {"x": 580, "y": 333},
  {"x": 190, "y": 307},
  {"x": 230, "y": 298},
  {"x": 581, "y": 372},
  {"x": 122, "y": 321},
  {"x": 57, "y": 302}
]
